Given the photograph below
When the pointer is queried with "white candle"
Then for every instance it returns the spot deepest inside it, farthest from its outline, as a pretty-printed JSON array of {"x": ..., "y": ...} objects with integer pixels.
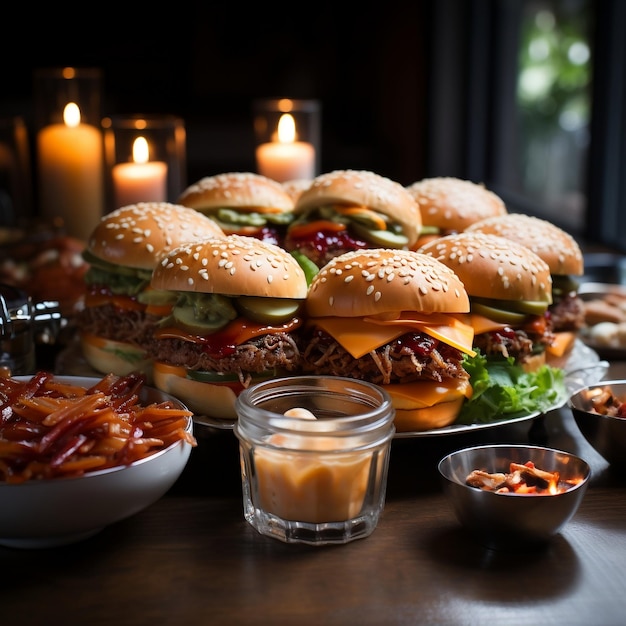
[
  {"x": 71, "y": 180},
  {"x": 140, "y": 180},
  {"x": 286, "y": 158}
]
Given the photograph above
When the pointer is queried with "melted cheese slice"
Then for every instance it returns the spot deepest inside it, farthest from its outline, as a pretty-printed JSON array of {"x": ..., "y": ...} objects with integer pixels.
[
  {"x": 482, "y": 324},
  {"x": 426, "y": 393},
  {"x": 361, "y": 335},
  {"x": 563, "y": 341}
]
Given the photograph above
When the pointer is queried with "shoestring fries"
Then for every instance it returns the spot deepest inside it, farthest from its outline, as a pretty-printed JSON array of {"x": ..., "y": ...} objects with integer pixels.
[{"x": 50, "y": 429}]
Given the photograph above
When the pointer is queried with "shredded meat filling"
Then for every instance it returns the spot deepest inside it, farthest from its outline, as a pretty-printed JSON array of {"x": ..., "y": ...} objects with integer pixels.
[{"x": 392, "y": 363}]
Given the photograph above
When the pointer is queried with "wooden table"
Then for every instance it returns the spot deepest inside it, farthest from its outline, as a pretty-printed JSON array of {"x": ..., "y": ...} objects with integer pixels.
[{"x": 192, "y": 559}]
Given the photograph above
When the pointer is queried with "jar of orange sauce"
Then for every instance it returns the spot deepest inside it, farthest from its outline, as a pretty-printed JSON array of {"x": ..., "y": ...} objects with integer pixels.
[{"x": 314, "y": 456}]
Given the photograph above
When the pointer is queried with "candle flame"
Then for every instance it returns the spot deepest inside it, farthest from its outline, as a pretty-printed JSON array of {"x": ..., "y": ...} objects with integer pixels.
[
  {"x": 286, "y": 128},
  {"x": 140, "y": 150},
  {"x": 71, "y": 115}
]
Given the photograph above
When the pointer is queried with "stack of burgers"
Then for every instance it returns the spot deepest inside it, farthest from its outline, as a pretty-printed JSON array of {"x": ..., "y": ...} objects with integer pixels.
[{"x": 330, "y": 280}]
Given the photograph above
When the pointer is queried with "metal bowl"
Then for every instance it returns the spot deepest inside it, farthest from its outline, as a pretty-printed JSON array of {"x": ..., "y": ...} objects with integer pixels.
[
  {"x": 607, "y": 434},
  {"x": 512, "y": 521}
]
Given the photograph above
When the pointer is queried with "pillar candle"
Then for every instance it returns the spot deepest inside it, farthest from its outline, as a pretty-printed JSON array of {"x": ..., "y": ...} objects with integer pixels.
[
  {"x": 286, "y": 158},
  {"x": 71, "y": 180},
  {"x": 140, "y": 180}
]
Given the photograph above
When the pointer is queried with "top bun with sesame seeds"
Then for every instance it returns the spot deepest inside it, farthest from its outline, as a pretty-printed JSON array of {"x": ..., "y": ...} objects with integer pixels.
[
  {"x": 120, "y": 309},
  {"x": 510, "y": 290},
  {"x": 242, "y": 203},
  {"x": 136, "y": 235},
  {"x": 232, "y": 265},
  {"x": 238, "y": 305},
  {"x": 346, "y": 210},
  {"x": 449, "y": 205},
  {"x": 393, "y": 317},
  {"x": 564, "y": 258}
]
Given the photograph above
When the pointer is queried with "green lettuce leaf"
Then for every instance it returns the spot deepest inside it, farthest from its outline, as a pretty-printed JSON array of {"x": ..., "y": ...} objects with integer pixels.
[{"x": 502, "y": 389}]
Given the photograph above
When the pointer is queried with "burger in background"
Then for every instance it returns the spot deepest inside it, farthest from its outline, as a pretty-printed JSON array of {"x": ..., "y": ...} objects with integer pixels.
[
  {"x": 243, "y": 203},
  {"x": 120, "y": 308},
  {"x": 450, "y": 205},
  {"x": 237, "y": 305},
  {"x": 392, "y": 317},
  {"x": 564, "y": 258},
  {"x": 295, "y": 187},
  {"x": 347, "y": 210},
  {"x": 510, "y": 290}
]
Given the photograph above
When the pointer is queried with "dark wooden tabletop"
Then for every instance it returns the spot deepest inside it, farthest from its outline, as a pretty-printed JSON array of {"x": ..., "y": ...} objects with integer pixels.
[{"x": 191, "y": 558}]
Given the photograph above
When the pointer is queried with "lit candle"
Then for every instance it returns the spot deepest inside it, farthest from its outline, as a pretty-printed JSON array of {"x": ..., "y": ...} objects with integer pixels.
[
  {"x": 71, "y": 180},
  {"x": 141, "y": 180},
  {"x": 286, "y": 158}
]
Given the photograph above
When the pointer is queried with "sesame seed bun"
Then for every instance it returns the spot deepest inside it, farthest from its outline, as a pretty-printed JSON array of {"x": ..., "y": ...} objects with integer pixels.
[
  {"x": 296, "y": 186},
  {"x": 136, "y": 235},
  {"x": 493, "y": 267},
  {"x": 555, "y": 246},
  {"x": 231, "y": 265},
  {"x": 452, "y": 204},
  {"x": 240, "y": 190},
  {"x": 375, "y": 281},
  {"x": 363, "y": 188}
]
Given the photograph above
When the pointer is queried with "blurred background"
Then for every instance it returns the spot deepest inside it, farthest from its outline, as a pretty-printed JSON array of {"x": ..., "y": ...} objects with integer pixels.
[{"x": 525, "y": 96}]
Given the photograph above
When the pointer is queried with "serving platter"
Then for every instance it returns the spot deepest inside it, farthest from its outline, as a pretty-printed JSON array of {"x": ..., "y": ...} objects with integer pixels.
[{"x": 582, "y": 367}]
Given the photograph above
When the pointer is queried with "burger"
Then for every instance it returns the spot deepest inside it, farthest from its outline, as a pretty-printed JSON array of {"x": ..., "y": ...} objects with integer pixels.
[
  {"x": 564, "y": 258},
  {"x": 237, "y": 307},
  {"x": 243, "y": 203},
  {"x": 393, "y": 318},
  {"x": 510, "y": 290},
  {"x": 449, "y": 205},
  {"x": 296, "y": 186},
  {"x": 120, "y": 308},
  {"x": 348, "y": 210}
]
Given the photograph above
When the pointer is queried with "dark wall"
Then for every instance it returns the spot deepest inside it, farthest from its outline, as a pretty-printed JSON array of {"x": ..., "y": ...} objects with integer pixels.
[{"x": 366, "y": 62}]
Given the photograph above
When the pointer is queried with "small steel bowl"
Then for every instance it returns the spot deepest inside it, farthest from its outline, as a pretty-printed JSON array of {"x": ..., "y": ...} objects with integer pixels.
[
  {"x": 606, "y": 433},
  {"x": 512, "y": 521}
]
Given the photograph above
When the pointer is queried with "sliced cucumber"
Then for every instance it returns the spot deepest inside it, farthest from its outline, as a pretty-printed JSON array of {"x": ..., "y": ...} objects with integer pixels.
[
  {"x": 528, "y": 307},
  {"x": 268, "y": 310},
  {"x": 384, "y": 238},
  {"x": 185, "y": 317},
  {"x": 157, "y": 297},
  {"x": 497, "y": 315},
  {"x": 205, "y": 376}
]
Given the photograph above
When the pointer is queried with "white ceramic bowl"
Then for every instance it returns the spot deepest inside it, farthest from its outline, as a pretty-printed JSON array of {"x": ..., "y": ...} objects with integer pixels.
[
  {"x": 512, "y": 521},
  {"x": 60, "y": 511}
]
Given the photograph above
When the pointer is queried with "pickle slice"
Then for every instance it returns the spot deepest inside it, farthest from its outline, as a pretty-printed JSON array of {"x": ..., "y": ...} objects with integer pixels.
[
  {"x": 268, "y": 310},
  {"x": 498, "y": 315}
]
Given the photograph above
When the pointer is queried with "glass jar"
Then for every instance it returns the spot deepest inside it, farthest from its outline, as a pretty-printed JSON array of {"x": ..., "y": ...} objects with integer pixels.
[{"x": 318, "y": 476}]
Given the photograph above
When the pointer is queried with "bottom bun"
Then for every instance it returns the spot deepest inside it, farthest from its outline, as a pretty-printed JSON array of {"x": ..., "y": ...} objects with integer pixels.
[
  {"x": 212, "y": 400},
  {"x": 429, "y": 417},
  {"x": 115, "y": 357},
  {"x": 426, "y": 405},
  {"x": 533, "y": 363}
]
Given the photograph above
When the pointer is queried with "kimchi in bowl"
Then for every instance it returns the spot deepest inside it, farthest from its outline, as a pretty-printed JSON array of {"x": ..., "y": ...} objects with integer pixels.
[{"x": 513, "y": 496}]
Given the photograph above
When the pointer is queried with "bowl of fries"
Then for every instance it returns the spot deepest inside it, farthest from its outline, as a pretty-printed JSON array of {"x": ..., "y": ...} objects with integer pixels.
[
  {"x": 512, "y": 497},
  {"x": 600, "y": 414},
  {"x": 78, "y": 454}
]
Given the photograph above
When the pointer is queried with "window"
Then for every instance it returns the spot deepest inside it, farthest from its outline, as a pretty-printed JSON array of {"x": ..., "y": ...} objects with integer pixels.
[{"x": 536, "y": 108}]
